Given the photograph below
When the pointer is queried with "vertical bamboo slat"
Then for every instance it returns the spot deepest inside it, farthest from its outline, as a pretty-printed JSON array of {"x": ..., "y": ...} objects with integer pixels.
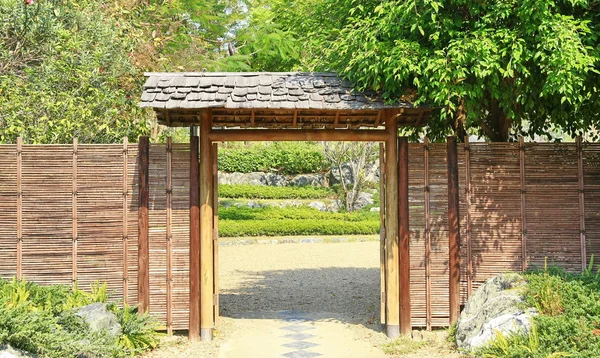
[
  {"x": 19, "y": 208},
  {"x": 427, "y": 234},
  {"x": 382, "y": 267},
  {"x": 143, "y": 226},
  {"x": 524, "y": 261},
  {"x": 468, "y": 191},
  {"x": 169, "y": 237},
  {"x": 581, "y": 203},
  {"x": 215, "y": 176},
  {"x": 74, "y": 254},
  {"x": 125, "y": 221},
  {"x": 453, "y": 231},
  {"x": 206, "y": 230}
]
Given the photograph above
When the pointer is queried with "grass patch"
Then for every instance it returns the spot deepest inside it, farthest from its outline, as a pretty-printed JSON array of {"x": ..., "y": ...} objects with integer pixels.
[
  {"x": 403, "y": 345},
  {"x": 42, "y": 320},
  {"x": 569, "y": 320},
  {"x": 246, "y": 191}
]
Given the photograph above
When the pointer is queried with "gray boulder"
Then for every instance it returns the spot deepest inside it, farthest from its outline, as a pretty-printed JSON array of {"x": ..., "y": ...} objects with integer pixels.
[
  {"x": 257, "y": 178},
  {"x": 495, "y": 307},
  {"x": 319, "y": 205},
  {"x": 308, "y": 180},
  {"x": 276, "y": 179},
  {"x": 364, "y": 199},
  {"x": 336, "y": 174},
  {"x": 99, "y": 318},
  {"x": 6, "y": 351},
  {"x": 253, "y": 204}
]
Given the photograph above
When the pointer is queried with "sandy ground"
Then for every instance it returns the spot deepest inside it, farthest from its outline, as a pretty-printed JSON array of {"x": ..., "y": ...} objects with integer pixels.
[{"x": 339, "y": 282}]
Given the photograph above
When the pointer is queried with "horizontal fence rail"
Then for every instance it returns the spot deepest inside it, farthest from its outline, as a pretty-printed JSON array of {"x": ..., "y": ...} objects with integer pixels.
[{"x": 69, "y": 215}]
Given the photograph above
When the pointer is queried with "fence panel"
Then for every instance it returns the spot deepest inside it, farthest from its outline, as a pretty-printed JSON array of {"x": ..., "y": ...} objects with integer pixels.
[{"x": 8, "y": 211}]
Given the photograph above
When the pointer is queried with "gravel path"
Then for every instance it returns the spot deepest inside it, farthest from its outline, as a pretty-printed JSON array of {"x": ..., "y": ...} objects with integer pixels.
[{"x": 336, "y": 282}]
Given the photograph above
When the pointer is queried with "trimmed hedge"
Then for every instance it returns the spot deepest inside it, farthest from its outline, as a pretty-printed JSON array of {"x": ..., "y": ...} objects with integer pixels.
[
  {"x": 285, "y": 157},
  {"x": 244, "y": 221},
  {"x": 286, "y": 227},
  {"x": 273, "y": 192}
]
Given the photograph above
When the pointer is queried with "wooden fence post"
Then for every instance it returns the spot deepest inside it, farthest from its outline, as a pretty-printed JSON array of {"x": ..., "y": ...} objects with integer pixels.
[
  {"x": 382, "y": 231},
  {"x": 143, "y": 226},
  {"x": 125, "y": 222},
  {"x": 581, "y": 204},
  {"x": 523, "y": 217},
  {"x": 391, "y": 230},
  {"x": 74, "y": 215},
  {"x": 469, "y": 242},
  {"x": 169, "y": 236},
  {"x": 194, "y": 328},
  {"x": 453, "y": 230},
  {"x": 215, "y": 173},
  {"x": 19, "y": 208},
  {"x": 404, "y": 240},
  {"x": 427, "y": 235},
  {"x": 206, "y": 229}
]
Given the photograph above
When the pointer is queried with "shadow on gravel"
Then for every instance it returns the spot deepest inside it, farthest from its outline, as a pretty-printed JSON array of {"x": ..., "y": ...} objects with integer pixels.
[{"x": 344, "y": 294}]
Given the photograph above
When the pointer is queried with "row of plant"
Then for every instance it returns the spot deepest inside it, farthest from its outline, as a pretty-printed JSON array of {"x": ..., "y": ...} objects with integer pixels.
[
  {"x": 42, "y": 320},
  {"x": 568, "y": 324},
  {"x": 282, "y": 157},
  {"x": 247, "y": 191},
  {"x": 243, "y": 221}
]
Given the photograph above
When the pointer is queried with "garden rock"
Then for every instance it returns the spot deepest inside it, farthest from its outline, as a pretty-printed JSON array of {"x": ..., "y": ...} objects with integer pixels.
[
  {"x": 257, "y": 178},
  {"x": 495, "y": 307},
  {"x": 308, "y": 180},
  {"x": 364, "y": 199},
  {"x": 253, "y": 204},
  {"x": 374, "y": 210},
  {"x": 335, "y": 177},
  {"x": 99, "y": 318},
  {"x": 276, "y": 180},
  {"x": 334, "y": 206},
  {"x": 6, "y": 351},
  {"x": 319, "y": 205}
]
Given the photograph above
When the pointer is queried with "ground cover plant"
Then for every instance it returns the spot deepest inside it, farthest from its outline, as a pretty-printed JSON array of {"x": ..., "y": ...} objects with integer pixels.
[
  {"x": 243, "y": 221},
  {"x": 569, "y": 321},
  {"x": 42, "y": 320},
  {"x": 247, "y": 191}
]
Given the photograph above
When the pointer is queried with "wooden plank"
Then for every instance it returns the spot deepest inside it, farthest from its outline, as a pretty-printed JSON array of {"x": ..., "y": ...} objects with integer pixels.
[
  {"x": 143, "y": 225},
  {"x": 468, "y": 191},
  {"x": 382, "y": 258},
  {"x": 74, "y": 214},
  {"x": 125, "y": 221},
  {"x": 524, "y": 261},
  {"x": 453, "y": 231},
  {"x": 391, "y": 243},
  {"x": 427, "y": 235},
  {"x": 378, "y": 119},
  {"x": 404, "y": 238},
  {"x": 194, "y": 327},
  {"x": 19, "y": 208},
  {"x": 581, "y": 203},
  {"x": 366, "y": 135},
  {"x": 336, "y": 121},
  {"x": 295, "y": 119},
  {"x": 169, "y": 237},
  {"x": 252, "y": 119},
  {"x": 215, "y": 176},
  {"x": 206, "y": 230}
]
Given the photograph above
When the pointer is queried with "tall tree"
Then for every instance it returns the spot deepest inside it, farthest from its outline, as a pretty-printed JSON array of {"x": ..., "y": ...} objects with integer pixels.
[{"x": 497, "y": 68}]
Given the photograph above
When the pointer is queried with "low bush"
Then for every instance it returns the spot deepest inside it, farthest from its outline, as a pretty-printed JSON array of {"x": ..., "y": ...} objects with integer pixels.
[
  {"x": 292, "y": 213},
  {"x": 272, "y": 192},
  {"x": 569, "y": 321},
  {"x": 287, "y": 227},
  {"x": 42, "y": 320},
  {"x": 284, "y": 157}
]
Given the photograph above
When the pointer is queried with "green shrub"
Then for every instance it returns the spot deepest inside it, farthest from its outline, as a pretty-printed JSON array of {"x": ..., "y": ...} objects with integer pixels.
[
  {"x": 139, "y": 331},
  {"x": 272, "y": 192},
  {"x": 284, "y": 157},
  {"x": 288, "y": 227},
  {"x": 569, "y": 320},
  {"x": 292, "y": 213}
]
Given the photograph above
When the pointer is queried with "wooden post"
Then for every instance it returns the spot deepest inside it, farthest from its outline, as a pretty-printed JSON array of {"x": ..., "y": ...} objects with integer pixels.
[
  {"x": 169, "y": 236},
  {"x": 125, "y": 219},
  {"x": 581, "y": 203},
  {"x": 19, "y": 208},
  {"x": 194, "y": 328},
  {"x": 382, "y": 257},
  {"x": 468, "y": 217},
  {"x": 427, "y": 235},
  {"x": 453, "y": 230},
  {"x": 74, "y": 215},
  {"x": 391, "y": 230},
  {"x": 206, "y": 229},
  {"x": 215, "y": 173},
  {"x": 143, "y": 226},
  {"x": 405, "y": 312},
  {"x": 523, "y": 207}
]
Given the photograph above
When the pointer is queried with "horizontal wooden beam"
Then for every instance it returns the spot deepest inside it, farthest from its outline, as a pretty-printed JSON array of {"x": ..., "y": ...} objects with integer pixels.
[{"x": 343, "y": 135}]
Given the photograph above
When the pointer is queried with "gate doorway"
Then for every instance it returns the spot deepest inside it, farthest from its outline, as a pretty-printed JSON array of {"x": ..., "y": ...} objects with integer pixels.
[{"x": 283, "y": 107}]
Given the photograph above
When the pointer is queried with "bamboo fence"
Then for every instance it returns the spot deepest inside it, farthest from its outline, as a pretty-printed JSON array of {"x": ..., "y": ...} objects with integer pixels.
[{"x": 68, "y": 215}]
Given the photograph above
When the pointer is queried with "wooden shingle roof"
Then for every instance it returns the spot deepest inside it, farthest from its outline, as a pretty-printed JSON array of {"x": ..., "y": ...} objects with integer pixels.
[{"x": 268, "y": 99}]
